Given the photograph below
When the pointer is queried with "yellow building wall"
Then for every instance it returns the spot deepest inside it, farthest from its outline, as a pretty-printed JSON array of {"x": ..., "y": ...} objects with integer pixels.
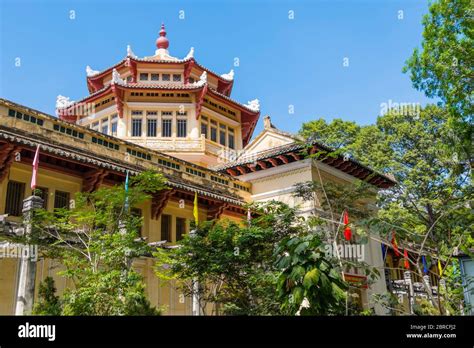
[{"x": 161, "y": 294}]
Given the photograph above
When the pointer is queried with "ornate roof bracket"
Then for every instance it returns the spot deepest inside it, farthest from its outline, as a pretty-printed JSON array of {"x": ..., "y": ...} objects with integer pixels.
[
  {"x": 188, "y": 66},
  {"x": 273, "y": 162},
  {"x": 132, "y": 65},
  {"x": 200, "y": 101},
  {"x": 262, "y": 164},
  {"x": 118, "y": 94},
  {"x": 215, "y": 211},
  {"x": 95, "y": 83},
  {"x": 231, "y": 172},
  {"x": 93, "y": 179},
  {"x": 241, "y": 170},
  {"x": 159, "y": 201},
  {"x": 283, "y": 158},
  {"x": 7, "y": 155}
]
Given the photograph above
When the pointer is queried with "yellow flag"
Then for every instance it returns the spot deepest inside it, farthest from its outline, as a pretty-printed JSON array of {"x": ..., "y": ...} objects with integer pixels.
[
  {"x": 195, "y": 210},
  {"x": 440, "y": 269}
]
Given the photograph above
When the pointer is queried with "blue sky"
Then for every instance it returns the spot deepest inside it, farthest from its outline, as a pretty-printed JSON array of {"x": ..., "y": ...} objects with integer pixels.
[{"x": 283, "y": 62}]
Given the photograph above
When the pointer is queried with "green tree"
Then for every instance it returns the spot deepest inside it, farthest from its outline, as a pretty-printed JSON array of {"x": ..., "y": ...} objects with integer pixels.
[
  {"x": 431, "y": 204},
  {"x": 96, "y": 239},
  {"x": 237, "y": 266},
  {"x": 48, "y": 302},
  {"x": 444, "y": 67},
  {"x": 232, "y": 265},
  {"x": 337, "y": 134}
]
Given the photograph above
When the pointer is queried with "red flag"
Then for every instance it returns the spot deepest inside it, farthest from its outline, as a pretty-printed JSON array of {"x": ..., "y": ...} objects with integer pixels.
[
  {"x": 394, "y": 244},
  {"x": 347, "y": 229},
  {"x": 35, "y": 168},
  {"x": 405, "y": 255}
]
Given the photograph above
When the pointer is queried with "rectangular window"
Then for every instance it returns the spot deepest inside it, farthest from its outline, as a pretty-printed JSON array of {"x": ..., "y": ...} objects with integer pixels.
[
  {"x": 204, "y": 129},
  {"x": 61, "y": 199},
  {"x": 180, "y": 228},
  {"x": 222, "y": 135},
  {"x": 95, "y": 126},
  {"x": 214, "y": 131},
  {"x": 15, "y": 196},
  {"x": 42, "y": 192},
  {"x": 166, "y": 128},
  {"x": 165, "y": 227},
  {"x": 113, "y": 129},
  {"x": 136, "y": 127},
  {"x": 105, "y": 126},
  {"x": 181, "y": 128},
  {"x": 176, "y": 77},
  {"x": 143, "y": 77},
  {"x": 151, "y": 127},
  {"x": 166, "y": 77},
  {"x": 231, "y": 138},
  {"x": 155, "y": 77}
]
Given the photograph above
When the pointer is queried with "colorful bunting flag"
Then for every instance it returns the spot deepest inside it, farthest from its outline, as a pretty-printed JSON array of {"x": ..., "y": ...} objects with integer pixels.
[
  {"x": 126, "y": 192},
  {"x": 425, "y": 265},
  {"x": 195, "y": 209},
  {"x": 35, "y": 169},
  {"x": 347, "y": 229},
  {"x": 394, "y": 244},
  {"x": 405, "y": 255}
]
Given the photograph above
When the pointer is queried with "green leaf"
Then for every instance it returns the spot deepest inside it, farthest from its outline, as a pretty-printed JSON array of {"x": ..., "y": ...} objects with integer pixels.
[{"x": 311, "y": 278}]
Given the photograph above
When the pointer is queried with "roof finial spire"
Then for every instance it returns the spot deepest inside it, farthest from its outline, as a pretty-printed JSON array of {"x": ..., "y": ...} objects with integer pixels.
[{"x": 162, "y": 41}]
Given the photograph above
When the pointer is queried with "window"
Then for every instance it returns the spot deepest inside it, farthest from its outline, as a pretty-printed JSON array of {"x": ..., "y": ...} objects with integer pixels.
[
  {"x": 204, "y": 129},
  {"x": 191, "y": 80},
  {"x": 95, "y": 126},
  {"x": 105, "y": 126},
  {"x": 176, "y": 77},
  {"x": 155, "y": 77},
  {"x": 182, "y": 128},
  {"x": 129, "y": 78},
  {"x": 151, "y": 127},
  {"x": 143, "y": 77},
  {"x": 166, "y": 77},
  {"x": 136, "y": 127},
  {"x": 180, "y": 228},
  {"x": 166, "y": 128},
  {"x": 213, "y": 130},
  {"x": 222, "y": 135},
  {"x": 61, "y": 199},
  {"x": 165, "y": 227},
  {"x": 42, "y": 192},
  {"x": 15, "y": 196},
  {"x": 113, "y": 125},
  {"x": 231, "y": 139}
]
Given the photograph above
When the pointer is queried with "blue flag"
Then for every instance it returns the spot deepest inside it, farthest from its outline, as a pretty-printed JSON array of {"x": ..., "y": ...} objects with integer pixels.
[
  {"x": 126, "y": 192},
  {"x": 425, "y": 265}
]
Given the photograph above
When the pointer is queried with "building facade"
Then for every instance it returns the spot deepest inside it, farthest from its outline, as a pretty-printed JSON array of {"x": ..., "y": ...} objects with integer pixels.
[{"x": 174, "y": 116}]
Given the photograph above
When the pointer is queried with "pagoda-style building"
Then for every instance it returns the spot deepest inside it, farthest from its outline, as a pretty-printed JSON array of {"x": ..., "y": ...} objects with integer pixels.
[
  {"x": 176, "y": 117},
  {"x": 168, "y": 104}
]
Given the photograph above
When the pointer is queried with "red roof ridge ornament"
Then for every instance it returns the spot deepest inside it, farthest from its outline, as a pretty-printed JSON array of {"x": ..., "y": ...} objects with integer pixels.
[{"x": 162, "y": 42}]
